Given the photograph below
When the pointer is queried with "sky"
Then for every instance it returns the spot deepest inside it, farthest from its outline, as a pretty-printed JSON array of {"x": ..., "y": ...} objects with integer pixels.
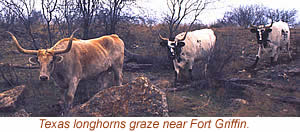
[{"x": 157, "y": 8}]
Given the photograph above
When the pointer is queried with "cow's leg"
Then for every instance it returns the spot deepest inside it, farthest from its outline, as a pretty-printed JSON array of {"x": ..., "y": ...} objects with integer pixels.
[
  {"x": 191, "y": 74},
  {"x": 289, "y": 50},
  {"x": 274, "y": 55},
  {"x": 278, "y": 51},
  {"x": 258, "y": 56},
  {"x": 205, "y": 66},
  {"x": 191, "y": 69},
  {"x": 176, "y": 75},
  {"x": 117, "y": 69},
  {"x": 59, "y": 82},
  {"x": 103, "y": 80},
  {"x": 69, "y": 95}
]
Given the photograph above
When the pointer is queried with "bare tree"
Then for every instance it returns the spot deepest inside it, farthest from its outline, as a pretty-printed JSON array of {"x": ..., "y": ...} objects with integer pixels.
[
  {"x": 23, "y": 9},
  {"x": 288, "y": 16},
  {"x": 245, "y": 15},
  {"x": 67, "y": 10},
  {"x": 48, "y": 7},
  {"x": 8, "y": 18},
  {"x": 257, "y": 15},
  {"x": 181, "y": 9},
  {"x": 87, "y": 9},
  {"x": 113, "y": 9}
]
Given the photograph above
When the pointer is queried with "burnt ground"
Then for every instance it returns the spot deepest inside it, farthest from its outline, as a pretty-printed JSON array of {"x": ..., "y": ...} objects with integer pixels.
[{"x": 232, "y": 90}]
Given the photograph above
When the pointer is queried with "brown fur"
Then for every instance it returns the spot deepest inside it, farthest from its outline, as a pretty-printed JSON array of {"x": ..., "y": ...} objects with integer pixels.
[{"x": 87, "y": 58}]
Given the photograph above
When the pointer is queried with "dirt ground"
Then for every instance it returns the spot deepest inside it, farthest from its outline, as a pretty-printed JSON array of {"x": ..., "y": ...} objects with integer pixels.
[
  {"x": 263, "y": 91},
  {"x": 238, "y": 91}
]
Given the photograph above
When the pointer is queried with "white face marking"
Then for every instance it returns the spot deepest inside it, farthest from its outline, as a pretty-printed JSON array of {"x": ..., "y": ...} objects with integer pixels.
[
  {"x": 172, "y": 51},
  {"x": 260, "y": 33},
  {"x": 172, "y": 45}
]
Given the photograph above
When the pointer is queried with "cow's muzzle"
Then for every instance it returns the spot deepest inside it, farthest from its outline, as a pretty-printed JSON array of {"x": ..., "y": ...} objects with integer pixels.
[
  {"x": 44, "y": 78},
  {"x": 259, "y": 41}
]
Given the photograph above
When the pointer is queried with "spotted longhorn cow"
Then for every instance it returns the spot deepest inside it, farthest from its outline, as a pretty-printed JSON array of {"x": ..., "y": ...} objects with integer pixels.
[
  {"x": 71, "y": 60},
  {"x": 271, "y": 39},
  {"x": 187, "y": 47}
]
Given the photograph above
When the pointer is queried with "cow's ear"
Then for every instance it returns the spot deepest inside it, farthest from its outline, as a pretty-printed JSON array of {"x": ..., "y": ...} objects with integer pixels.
[
  {"x": 269, "y": 30},
  {"x": 164, "y": 43},
  {"x": 181, "y": 44},
  {"x": 253, "y": 30},
  {"x": 58, "y": 59},
  {"x": 33, "y": 60}
]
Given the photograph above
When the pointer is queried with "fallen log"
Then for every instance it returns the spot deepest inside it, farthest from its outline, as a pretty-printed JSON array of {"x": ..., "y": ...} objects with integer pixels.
[
  {"x": 146, "y": 59},
  {"x": 18, "y": 66},
  {"x": 294, "y": 71},
  {"x": 287, "y": 99},
  {"x": 135, "y": 67}
]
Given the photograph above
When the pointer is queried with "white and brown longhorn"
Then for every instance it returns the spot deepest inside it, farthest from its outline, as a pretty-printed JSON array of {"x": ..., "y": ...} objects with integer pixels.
[
  {"x": 271, "y": 39},
  {"x": 188, "y": 47},
  {"x": 70, "y": 60}
]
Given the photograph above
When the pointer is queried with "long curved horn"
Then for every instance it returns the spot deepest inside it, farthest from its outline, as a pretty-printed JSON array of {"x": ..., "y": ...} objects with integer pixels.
[
  {"x": 62, "y": 51},
  {"x": 162, "y": 38},
  {"x": 270, "y": 25},
  {"x": 19, "y": 47},
  {"x": 251, "y": 25},
  {"x": 184, "y": 37}
]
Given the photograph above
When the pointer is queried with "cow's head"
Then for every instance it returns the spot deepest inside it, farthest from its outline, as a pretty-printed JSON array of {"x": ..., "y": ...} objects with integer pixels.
[
  {"x": 174, "y": 46},
  {"x": 46, "y": 58},
  {"x": 262, "y": 33}
]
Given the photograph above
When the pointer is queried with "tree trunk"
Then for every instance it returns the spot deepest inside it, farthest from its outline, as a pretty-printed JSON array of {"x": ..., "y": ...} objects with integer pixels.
[
  {"x": 85, "y": 29},
  {"x": 35, "y": 46},
  {"x": 49, "y": 34}
]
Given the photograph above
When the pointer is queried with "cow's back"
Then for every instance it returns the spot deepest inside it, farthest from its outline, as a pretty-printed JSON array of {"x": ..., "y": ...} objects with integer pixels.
[
  {"x": 105, "y": 46},
  {"x": 112, "y": 44},
  {"x": 199, "y": 42},
  {"x": 93, "y": 56},
  {"x": 207, "y": 38},
  {"x": 276, "y": 36}
]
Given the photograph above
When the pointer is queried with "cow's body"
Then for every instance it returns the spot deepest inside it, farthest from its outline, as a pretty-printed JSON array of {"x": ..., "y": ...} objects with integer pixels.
[
  {"x": 88, "y": 58},
  {"x": 278, "y": 37},
  {"x": 71, "y": 60},
  {"x": 197, "y": 44}
]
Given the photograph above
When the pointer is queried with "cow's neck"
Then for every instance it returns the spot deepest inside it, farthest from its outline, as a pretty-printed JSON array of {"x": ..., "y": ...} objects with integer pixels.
[{"x": 266, "y": 44}]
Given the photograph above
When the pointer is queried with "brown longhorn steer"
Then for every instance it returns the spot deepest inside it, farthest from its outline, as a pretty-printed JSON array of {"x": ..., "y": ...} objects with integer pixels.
[{"x": 71, "y": 60}]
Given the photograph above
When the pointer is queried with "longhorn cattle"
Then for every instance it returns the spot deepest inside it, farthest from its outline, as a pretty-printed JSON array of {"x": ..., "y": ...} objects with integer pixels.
[
  {"x": 271, "y": 39},
  {"x": 71, "y": 60},
  {"x": 187, "y": 47}
]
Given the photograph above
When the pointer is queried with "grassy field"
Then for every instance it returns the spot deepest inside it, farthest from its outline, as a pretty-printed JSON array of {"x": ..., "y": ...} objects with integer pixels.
[{"x": 233, "y": 90}]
